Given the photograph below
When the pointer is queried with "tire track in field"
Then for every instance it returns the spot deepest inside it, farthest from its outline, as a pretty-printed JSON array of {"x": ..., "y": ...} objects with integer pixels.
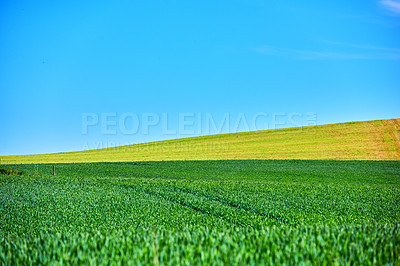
[
  {"x": 187, "y": 204},
  {"x": 210, "y": 198},
  {"x": 236, "y": 205}
]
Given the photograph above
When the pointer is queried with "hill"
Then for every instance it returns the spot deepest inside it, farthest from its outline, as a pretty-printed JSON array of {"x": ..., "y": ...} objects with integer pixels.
[{"x": 367, "y": 140}]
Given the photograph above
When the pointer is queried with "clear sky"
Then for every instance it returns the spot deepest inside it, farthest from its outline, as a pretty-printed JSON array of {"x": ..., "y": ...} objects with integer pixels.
[{"x": 65, "y": 65}]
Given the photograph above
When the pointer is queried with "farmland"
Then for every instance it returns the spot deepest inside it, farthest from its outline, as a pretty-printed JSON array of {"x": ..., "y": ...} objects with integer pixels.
[
  {"x": 367, "y": 140},
  {"x": 236, "y": 211}
]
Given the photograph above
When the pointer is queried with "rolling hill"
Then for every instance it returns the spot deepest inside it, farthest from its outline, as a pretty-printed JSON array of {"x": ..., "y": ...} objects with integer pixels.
[{"x": 367, "y": 140}]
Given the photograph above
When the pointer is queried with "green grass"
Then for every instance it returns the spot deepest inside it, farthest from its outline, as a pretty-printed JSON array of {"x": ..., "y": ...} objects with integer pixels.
[
  {"x": 10, "y": 171},
  {"x": 191, "y": 212},
  {"x": 370, "y": 140}
]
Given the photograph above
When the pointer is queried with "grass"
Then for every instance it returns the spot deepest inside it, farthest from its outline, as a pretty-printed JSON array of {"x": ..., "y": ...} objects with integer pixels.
[
  {"x": 10, "y": 171},
  {"x": 369, "y": 140},
  {"x": 192, "y": 212},
  {"x": 214, "y": 200}
]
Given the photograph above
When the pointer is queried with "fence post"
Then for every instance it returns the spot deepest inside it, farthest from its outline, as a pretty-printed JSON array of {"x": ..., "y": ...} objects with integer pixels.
[
  {"x": 36, "y": 173},
  {"x": 54, "y": 170}
]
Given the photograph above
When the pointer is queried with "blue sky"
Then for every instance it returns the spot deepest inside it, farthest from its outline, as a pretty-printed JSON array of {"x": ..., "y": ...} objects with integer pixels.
[{"x": 63, "y": 62}]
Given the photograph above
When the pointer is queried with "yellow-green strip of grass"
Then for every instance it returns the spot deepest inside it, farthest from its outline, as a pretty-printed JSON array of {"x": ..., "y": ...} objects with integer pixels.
[{"x": 367, "y": 140}]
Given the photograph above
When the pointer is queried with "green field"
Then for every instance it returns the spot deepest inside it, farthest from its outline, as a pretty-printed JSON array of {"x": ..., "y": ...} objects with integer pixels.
[
  {"x": 369, "y": 140},
  {"x": 192, "y": 212}
]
